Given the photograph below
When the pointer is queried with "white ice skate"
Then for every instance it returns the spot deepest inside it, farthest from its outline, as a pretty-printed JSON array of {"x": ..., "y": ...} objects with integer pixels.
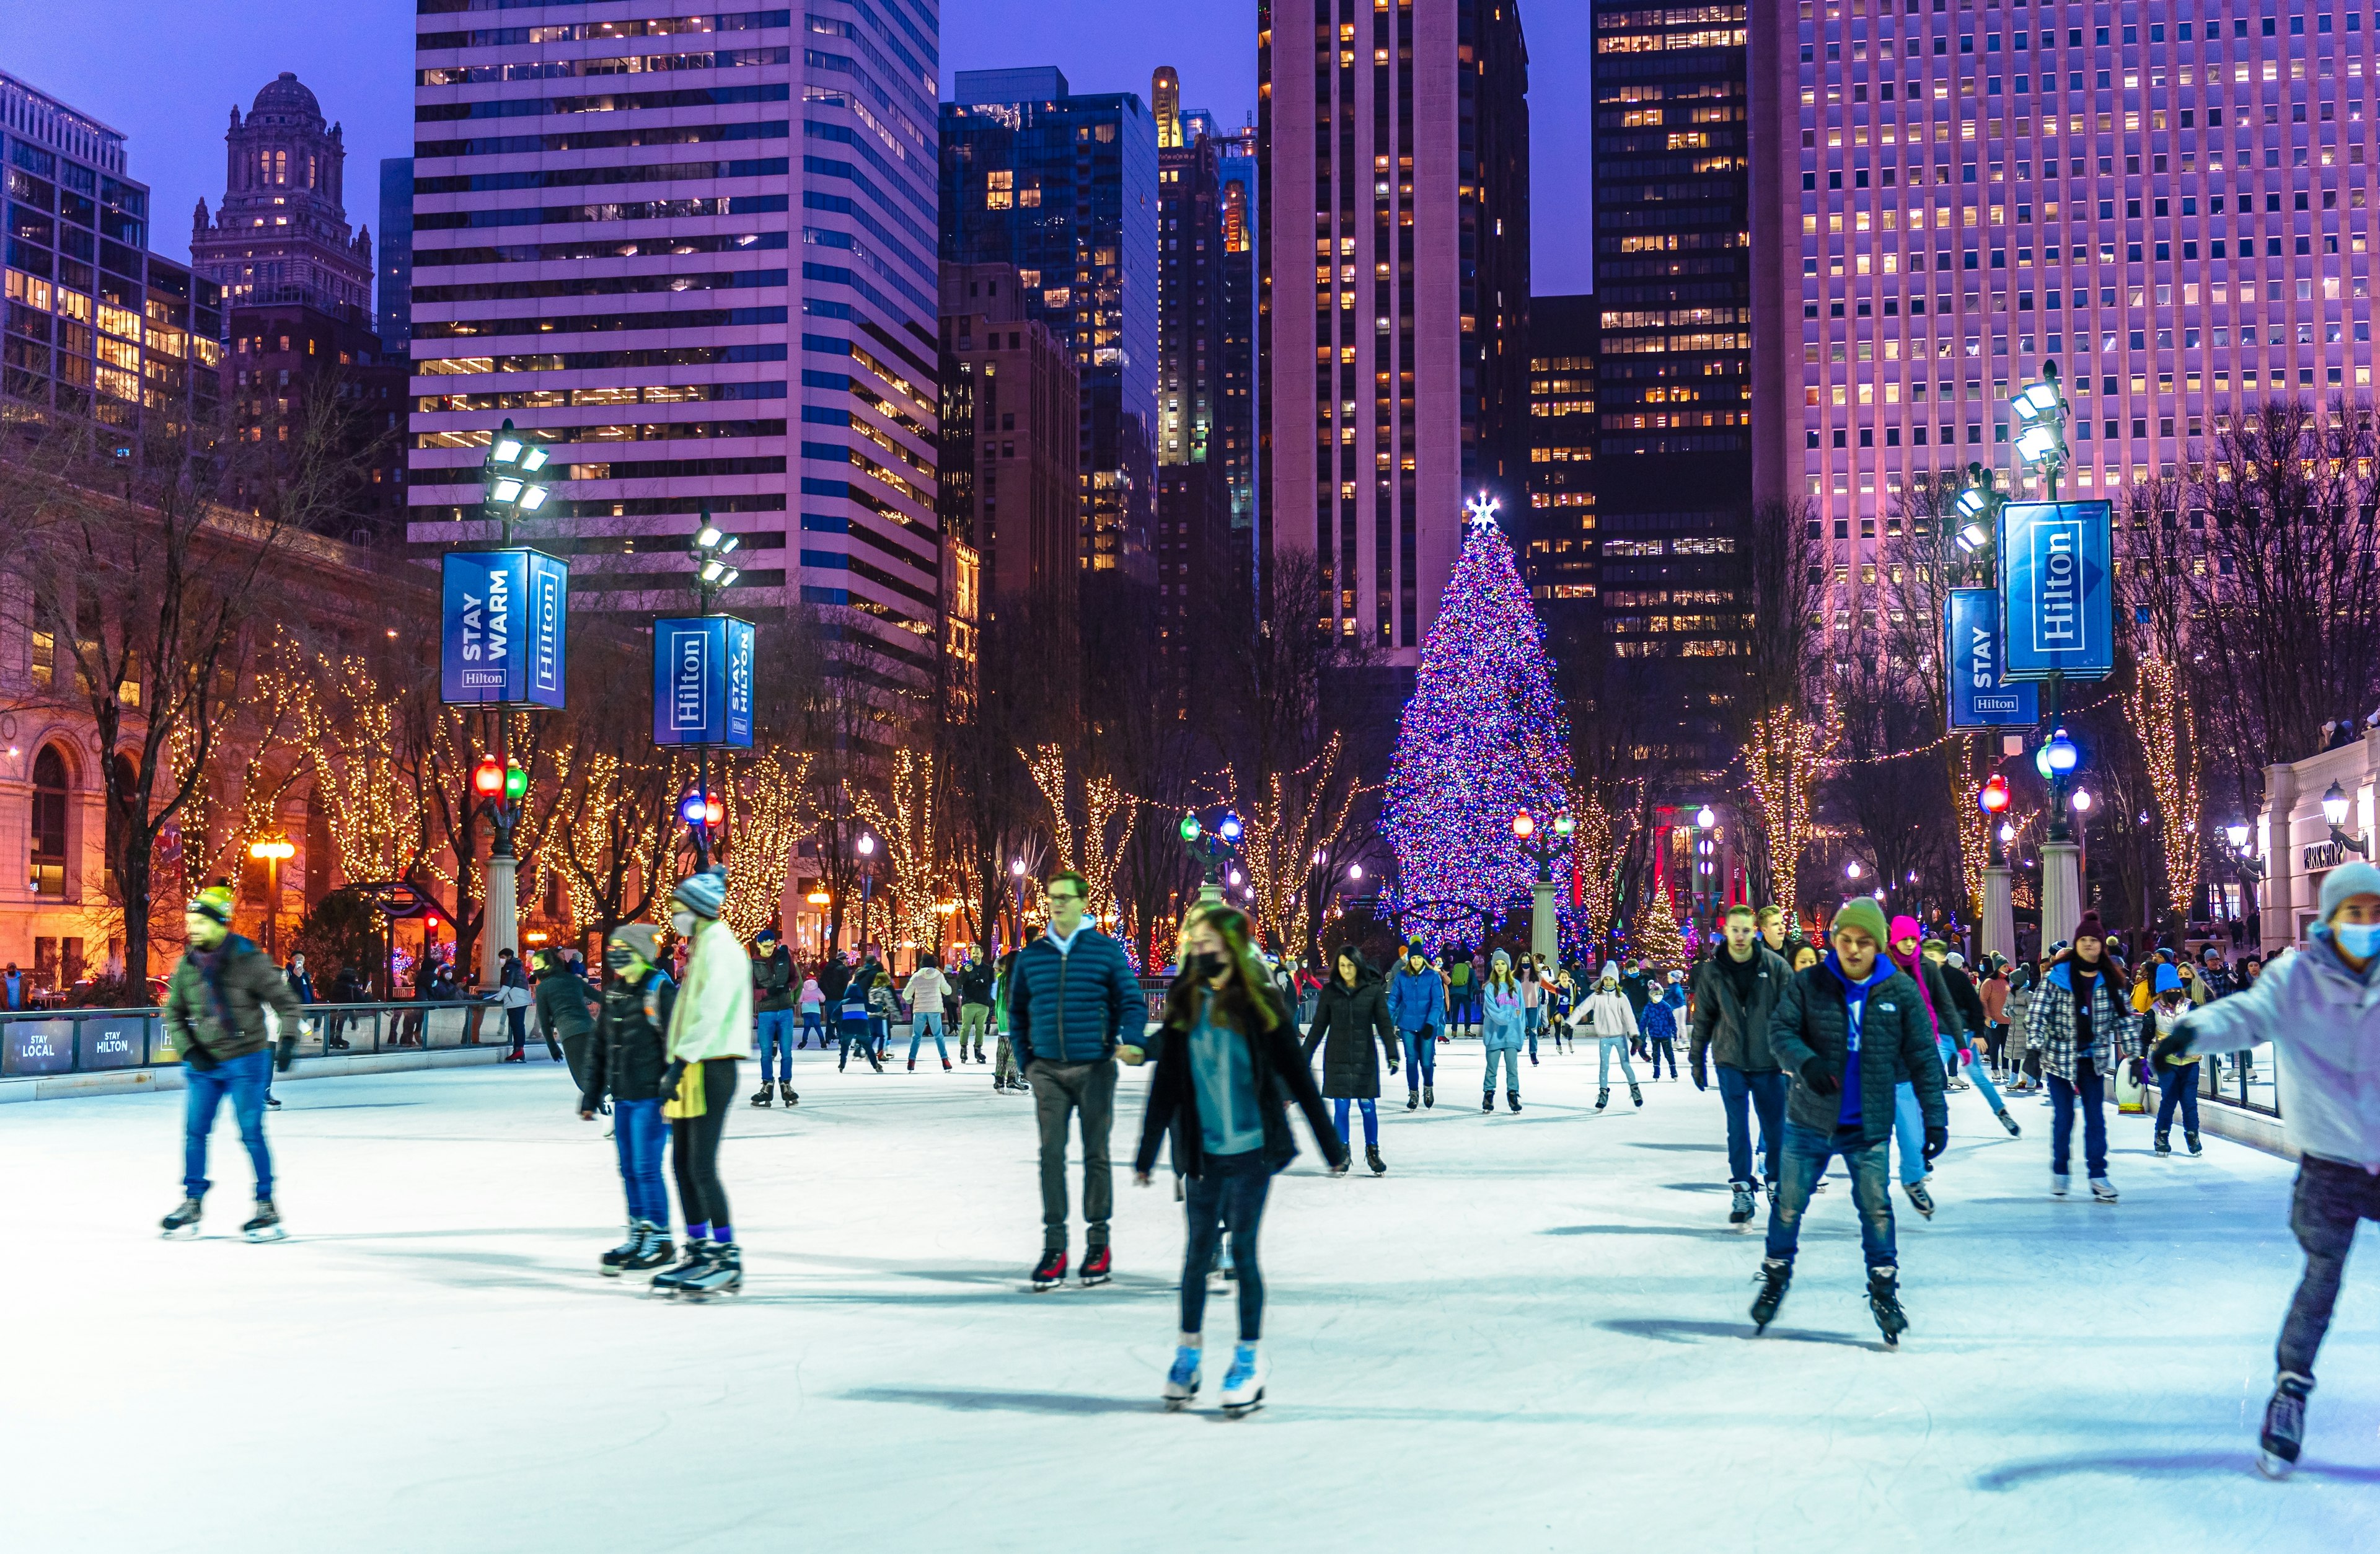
[
  {"x": 1182, "y": 1381},
  {"x": 1244, "y": 1384}
]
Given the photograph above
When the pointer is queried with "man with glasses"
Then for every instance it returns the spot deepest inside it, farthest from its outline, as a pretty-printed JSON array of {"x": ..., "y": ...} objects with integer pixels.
[{"x": 1074, "y": 1003}]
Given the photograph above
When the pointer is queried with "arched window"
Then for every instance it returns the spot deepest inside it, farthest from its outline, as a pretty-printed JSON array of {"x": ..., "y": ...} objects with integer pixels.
[{"x": 49, "y": 828}]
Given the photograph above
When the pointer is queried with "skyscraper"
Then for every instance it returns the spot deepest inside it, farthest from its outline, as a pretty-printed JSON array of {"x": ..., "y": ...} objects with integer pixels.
[
  {"x": 1673, "y": 245},
  {"x": 1193, "y": 494},
  {"x": 1009, "y": 417},
  {"x": 2172, "y": 209},
  {"x": 395, "y": 313},
  {"x": 639, "y": 181},
  {"x": 1558, "y": 549},
  {"x": 1396, "y": 194},
  {"x": 1064, "y": 187},
  {"x": 281, "y": 233},
  {"x": 1239, "y": 407},
  {"x": 97, "y": 326}
]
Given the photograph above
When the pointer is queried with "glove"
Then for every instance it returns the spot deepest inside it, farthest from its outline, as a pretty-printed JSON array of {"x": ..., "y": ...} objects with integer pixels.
[
  {"x": 1966, "y": 1057},
  {"x": 199, "y": 1058},
  {"x": 285, "y": 1054},
  {"x": 1702, "y": 1076},
  {"x": 1816, "y": 1074},
  {"x": 2172, "y": 1050},
  {"x": 1937, "y": 1140},
  {"x": 672, "y": 1076}
]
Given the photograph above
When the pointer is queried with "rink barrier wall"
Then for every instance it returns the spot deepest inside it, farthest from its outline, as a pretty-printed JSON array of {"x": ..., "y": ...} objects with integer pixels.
[
  {"x": 172, "y": 1076},
  {"x": 46, "y": 1045}
]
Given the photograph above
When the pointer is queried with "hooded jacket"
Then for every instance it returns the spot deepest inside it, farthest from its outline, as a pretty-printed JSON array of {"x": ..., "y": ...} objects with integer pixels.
[
  {"x": 1730, "y": 1031},
  {"x": 562, "y": 1002},
  {"x": 1503, "y": 1023},
  {"x": 233, "y": 1026},
  {"x": 1347, "y": 1021},
  {"x": 1609, "y": 1013},
  {"x": 1896, "y": 1047},
  {"x": 1416, "y": 999},
  {"x": 713, "y": 1017},
  {"x": 2328, "y": 1019},
  {"x": 627, "y": 1057}
]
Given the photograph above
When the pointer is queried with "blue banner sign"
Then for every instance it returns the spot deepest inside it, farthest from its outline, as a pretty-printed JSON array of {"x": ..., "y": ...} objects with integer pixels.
[
  {"x": 2060, "y": 587},
  {"x": 702, "y": 681},
  {"x": 501, "y": 629},
  {"x": 1980, "y": 697}
]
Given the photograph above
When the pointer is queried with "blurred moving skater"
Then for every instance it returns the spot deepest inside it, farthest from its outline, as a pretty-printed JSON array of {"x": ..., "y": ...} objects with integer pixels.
[{"x": 214, "y": 1017}]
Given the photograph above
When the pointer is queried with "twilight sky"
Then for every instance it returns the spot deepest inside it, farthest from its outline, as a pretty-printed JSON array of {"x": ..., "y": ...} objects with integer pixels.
[{"x": 168, "y": 75}]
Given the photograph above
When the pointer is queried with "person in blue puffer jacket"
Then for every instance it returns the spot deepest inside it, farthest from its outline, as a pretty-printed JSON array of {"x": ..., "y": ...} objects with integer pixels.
[
  {"x": 1418, "y": 1004},
  {"x": 1503, "y": 1027},
  {"x": 1664, "y": 1013}
]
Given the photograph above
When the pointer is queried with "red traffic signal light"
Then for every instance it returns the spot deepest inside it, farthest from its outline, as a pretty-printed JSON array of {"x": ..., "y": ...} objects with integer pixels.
[
  {"x": 1994, "y": 797},
  {"x": 429, "y": 924},
  {"x": 487, "y": 778}
]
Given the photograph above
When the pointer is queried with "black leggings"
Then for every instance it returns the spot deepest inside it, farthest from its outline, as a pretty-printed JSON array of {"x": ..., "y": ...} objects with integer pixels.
[
  {"x": 693, "y": 1148},
  {"x": 1229, "y": 1194}
]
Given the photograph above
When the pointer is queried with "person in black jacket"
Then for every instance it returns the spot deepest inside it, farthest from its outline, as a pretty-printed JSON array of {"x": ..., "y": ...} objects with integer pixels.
[
  {"x": 627, "y": 1061},
  {"x": 772, "y": 1012},
  {"x": 975, "y": 1002},
  {"x": 1228, "y": 1063},
  {"x": 1350, "y": 1014},
  {"x": 1850, "y": 1030},
  {"x": 1735, "y": 997},
  {"x": 564, "y": 1010}
]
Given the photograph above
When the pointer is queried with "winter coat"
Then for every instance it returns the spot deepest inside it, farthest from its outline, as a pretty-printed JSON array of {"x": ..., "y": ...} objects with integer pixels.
[
  {"x": 772, "y": 981},
  {"x": 2328, "y": 1018},
  {"x": 1965, "y": 1000},
  {"x": 833, "y": 978},
  {"x": 1728, "y": 1031},
  {"x": 1416, "y": 999},
  {"x": 1076, "y": 1006},
  {"x": 1934, "y": 992},
  {"x": 562, "y": 1006},
  {"x": 347, "y": 987},
  {"x": 301, "y": 985},
  {"x": 1503, "y": 1023},
  {"x": 2050, "y": 1024},
  {"x": 1346, "y": 1021},
  {"x": 1608, "y": 1015},
  {"x": 713, "y": 1017},
  {"x": 813, "y": 996},
  {"x": 627, "y": 1057},
  {"x": 1812, "y": 1020},
  {"x": 927, "y": 989},
  {"x": 1660, "y": 1020},
  {"x": 1280, "y": 1077},
  {"x": 975, "y": 984},
  {"x": 857, "y": 986},
  {"x": 250, "y": 984}
]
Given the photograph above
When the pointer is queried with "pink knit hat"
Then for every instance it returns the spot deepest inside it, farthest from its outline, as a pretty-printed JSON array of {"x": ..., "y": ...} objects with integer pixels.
[{"x": 1905, "y": 926}]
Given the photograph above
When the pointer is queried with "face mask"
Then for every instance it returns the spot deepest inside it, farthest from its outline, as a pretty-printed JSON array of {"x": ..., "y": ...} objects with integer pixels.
[
  {"x": 620, "y": 958},
  {"x": 683, "y": 923},
  {"x": 1204, "y": 965},
  {"x": 2360, "y": 939}
]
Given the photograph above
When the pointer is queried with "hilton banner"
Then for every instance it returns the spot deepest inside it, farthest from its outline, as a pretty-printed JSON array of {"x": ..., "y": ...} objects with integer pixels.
[
  {"x": 702, "y": 681},
  {"x": 1980, "y": 697},
  {"x": 2060, "y": 588},
  {"x": 501, "y": 636}
]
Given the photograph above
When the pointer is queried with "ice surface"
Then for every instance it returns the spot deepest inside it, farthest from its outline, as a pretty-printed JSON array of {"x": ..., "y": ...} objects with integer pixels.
[{"x": 1530, "y": 1334}]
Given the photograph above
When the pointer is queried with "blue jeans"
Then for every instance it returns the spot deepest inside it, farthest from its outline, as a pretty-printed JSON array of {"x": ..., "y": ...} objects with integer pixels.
[
  {"x": 1804, "y": 1161},
  {"x": 2091, "y": 1089},
  {"x": 1977, "y": 1073},
  {"x": 1512, "y": 1069},
  {"x": 1610, "y": 1044},
  {"x": 1462, "y": 1010},
  {"x": 2181, "y": 1088},
  {"x": 1371, "y": 1121},
  {"x": 927, "y": 1022},
  {"x": 776, "y": 1028},
  {"x": 1909, "y": 1131},
  {"x": 811, "y": 1026},
  {"x": 638, "y": 1130},
  {"x": 1766, "y": 1094},
  {"x": 244, "y": 1080},
  {"x": 1421, "y": 1058}
]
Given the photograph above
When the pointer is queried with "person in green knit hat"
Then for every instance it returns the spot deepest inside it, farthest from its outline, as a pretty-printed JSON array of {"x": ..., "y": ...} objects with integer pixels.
[
  {"x": 214, "y": 1017},
  {"x": 710, "y": 1029}
]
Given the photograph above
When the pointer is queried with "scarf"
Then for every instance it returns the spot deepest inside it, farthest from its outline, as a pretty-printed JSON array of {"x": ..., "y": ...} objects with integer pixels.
[
  {"x": 1916, "y": 969},
  {"x": 211, "y": 963}
]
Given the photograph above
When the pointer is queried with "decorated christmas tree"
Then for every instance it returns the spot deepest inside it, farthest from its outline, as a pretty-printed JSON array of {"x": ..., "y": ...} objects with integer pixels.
[
  {"x": 1481, "y": 740},
  {"x": 1655, "y": 935}
]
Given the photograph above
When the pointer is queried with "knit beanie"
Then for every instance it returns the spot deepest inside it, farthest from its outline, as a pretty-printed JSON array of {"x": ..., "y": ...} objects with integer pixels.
[
  {"x": 704, "y": 895},
  {"x": 645, "y": 939},
  {"x": 1862, "y": 913},
  {"x": 2347, "y": 880},
  {"x": 214, "y": 902},
  {"x": 2089, "y": 928},
  {"x": 1904, "y": 926}
]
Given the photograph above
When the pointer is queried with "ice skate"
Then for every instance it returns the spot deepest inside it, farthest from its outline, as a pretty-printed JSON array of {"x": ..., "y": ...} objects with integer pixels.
[
  {"x": 1182, "y": 1380},
  {"x": 1512, "y": 1100},
  {"x": 2190, "y": 1141},
  {"x": 1372, "y": 1158},
  {"x": 2165, "y": 1144},
  {"x": 1603, "y": 1098},
  {"x": 913, "y": 1065},
  {"x": 2008, "y": 1123},
  {"x": 696, "y": 1253},
  {"x": 1413, "y": 1100},
  {"x": 1636, "y": 1094},
  {"x": 2058, "y": 1183},
  {"x": 786, "y": 1093},
  {"x": 1098, "y": 1267},
  {"x": 1775, "y": 1278},
  {"x": 611, "y": 1262},
  {"x": 2103, "y": 1190},
  {"x": 185, "y": 1218},
  {"x": 1244, "y": 1384},
  {"x": 1429, "y": 1095},
  {"x": 265, "y": 1225},
  {"x": 765, "y": 1095},
  {"x": 721, "y": 1273},
  {"x": 1919, "y": 1198},
  {"x": 1486, "y": 1101},
  {"x": 653, "y": 1248},
  {"x": 2284, "y": 1432},
  {"x": 1884, "y": 1300},
  {"x": 1050, "y": 1271},
  {"x": 1739, "y": 1213},
  {"x": 946, "y": 1065}
]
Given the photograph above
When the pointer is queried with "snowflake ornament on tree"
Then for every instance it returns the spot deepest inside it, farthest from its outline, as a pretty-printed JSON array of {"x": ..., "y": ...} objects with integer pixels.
[{"x": 1482, "y": 740}]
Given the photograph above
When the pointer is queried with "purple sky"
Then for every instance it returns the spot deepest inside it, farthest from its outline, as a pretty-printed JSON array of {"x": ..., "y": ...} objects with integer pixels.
[{"x": 183, "y": 65}]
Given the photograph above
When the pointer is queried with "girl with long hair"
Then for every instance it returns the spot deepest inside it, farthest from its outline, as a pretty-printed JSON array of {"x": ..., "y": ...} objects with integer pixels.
[
  {"x": 1503, "y": 1022},
  {"x": 1227, "y": 1064},
  {"x": 1351, "y": 1012}
]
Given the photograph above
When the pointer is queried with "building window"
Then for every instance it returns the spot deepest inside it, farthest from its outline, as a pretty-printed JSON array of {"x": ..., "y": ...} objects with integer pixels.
[{"x": 48, "y": 867}]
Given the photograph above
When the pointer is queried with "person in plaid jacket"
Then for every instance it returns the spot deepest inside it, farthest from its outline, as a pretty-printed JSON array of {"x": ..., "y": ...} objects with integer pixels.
[{"x": 2082, "y": 1024}]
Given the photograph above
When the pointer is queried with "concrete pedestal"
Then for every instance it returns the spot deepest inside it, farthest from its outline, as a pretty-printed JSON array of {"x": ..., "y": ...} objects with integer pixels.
[
  {"x": 500, "y": 925},
  {"x": 1544, "y": 925},
  {"x": 2061, "y": 892},
  {"x": 1999, "y": 913}
]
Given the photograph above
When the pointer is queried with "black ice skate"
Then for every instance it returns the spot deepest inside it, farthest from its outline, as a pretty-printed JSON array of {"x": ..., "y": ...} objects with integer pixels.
[
  {"x": 721, "y": 1273},
  {"x": 2191, "y": 1139},
  {"x": 611, "y": 1262},
  {"x": 1486, "y": 1101},
  {"x": 765, "y": 1095},
  {"x": 1429, "y": 1095},
  {"x": 1050, "y": 1271},
  {"x": 1603, "y": 1098},
  {"x": 185, "y": 1218},
  {"x": 1884, "y": 1300},
  {"x": 1372, "y": 1158},
  {"x": 266, "y": 1223},
  {"x": 1775, "y": 1278},
  {"x": 1413, "y": 1100},
  {"x": 1512, "y": 1100},
  {"x": 2165, "y": 1144},
  {"x": 786, "y": 1093},
  {"x": 1739, "y": 1213},
  {"x": 697, "y": 1254},
  {"x": 1098, "y": 1267},
  {"x": 2284, "y": 1430},
  {"x": 1634, "y": 1094},
  {"x": 653, "y": 1248},
  {"x": 2010, "y": 1123}
]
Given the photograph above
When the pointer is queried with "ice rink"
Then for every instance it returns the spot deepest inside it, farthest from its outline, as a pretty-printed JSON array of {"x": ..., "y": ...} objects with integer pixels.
[{"x": 1529, "y": 1335}]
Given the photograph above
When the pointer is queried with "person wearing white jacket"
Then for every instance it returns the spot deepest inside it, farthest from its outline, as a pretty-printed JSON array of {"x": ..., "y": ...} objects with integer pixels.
[
  {"x": 1615, "y": 1025},
  {"x": 2323, "y": 1003},
  {"x": 709, "y": 1031},
  {"x": 928, "y": 987}
]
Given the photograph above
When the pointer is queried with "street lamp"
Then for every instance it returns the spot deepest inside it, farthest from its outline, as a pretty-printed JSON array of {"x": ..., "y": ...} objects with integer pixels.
[
  {"x": 867, "y": 846},
  {"x": 1210, "y": 849},
  {"x": 272, "y": 853},
  {"x": 1993, "y": 799},
  {"x": 1852, "y": 869},
  {"x": 510, "y": 485},
  {"x": 2040, "y": 411},
  {"x": 2335, "y": 808},
  {"x": 2057, "y": 760}
]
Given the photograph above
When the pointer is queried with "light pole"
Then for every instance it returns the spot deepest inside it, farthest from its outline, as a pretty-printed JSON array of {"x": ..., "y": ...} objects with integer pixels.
[
  {"x": 1210, "y": 850},
  {"x": 2061, "y": 859},
  {"x": 1016, "y": 891},
  {"x": 2039, "y": 411},
  {"x": 2247, "y": 865},
  {"x": 866, "y": 885},
  {"x": 511, "y": 487},
  {"x": 272, "y": 853},
  {"x": 713, "y": 576},
  {"x": 1545, "y": 919},
  {"x": 1999, "y": 900}
]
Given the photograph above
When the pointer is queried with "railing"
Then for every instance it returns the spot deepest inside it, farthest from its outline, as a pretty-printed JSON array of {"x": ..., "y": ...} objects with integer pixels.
[{"x": 48, "y": 1041}]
